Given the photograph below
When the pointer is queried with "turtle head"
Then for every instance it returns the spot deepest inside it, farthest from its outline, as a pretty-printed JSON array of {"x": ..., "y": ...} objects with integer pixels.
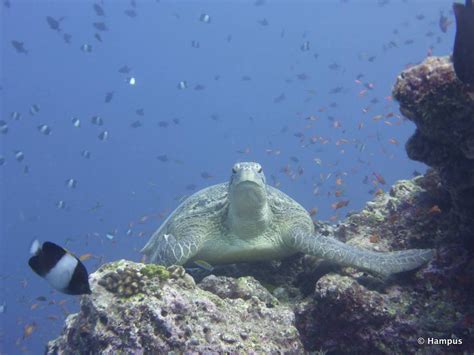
[{"x": 247, "y": 191}]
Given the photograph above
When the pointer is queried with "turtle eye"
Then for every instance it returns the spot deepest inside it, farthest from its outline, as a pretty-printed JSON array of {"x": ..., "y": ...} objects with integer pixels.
[{"x": 260, "y": 170}]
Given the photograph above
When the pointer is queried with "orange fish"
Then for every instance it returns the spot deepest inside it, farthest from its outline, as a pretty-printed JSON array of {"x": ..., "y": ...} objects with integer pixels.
[
  {"x": 434, "y": 210},
  {"x": 339, "y": 181},
  {"x": 340, "y": 204},
  {"x": 85, "y": 257},
  {"x": 28, "y": 330},
  {"x": 380, "y": 179},
  {"x": 393, "y": 141},
  {"x": 313, "y": 211}
]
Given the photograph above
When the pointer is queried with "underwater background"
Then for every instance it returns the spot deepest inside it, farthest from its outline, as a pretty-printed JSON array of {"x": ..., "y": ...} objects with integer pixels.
[{"x": 184, "y": 89}]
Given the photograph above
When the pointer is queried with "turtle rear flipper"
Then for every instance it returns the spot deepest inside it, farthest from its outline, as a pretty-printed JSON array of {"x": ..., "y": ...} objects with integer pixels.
[
  {"x": 381, "y": 263},
  {"x": 463, "y": 53}
]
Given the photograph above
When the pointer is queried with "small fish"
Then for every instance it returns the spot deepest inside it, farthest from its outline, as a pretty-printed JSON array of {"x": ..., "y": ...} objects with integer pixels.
[
  {"x": 67, "y": 38},
  {"x": 53, "y": 23},
  {"x": 63, "y": 271},
  {"x": 109, "y": 96},
  {"x": 28, "y": 330},
  {"x": 195, "y": 44},
  {"x": 3, "y": 307},
  {"x": 163, "y": 158},
  {"x": 41, "y": 298},
  {"x": 19, "y": 47},
  {"x": 2, "y": 160},
  {"x": 45, "y": 129},
  {"x": 263, "y": 22},
  {"x": 163, "y": 124},
  {"x": 99, "y": 10},
  {"x": 204, "y": 265},
  {"x": 15, "y": 115},
  {"x": 110, "y": 236},
  {"x": 101, "y": 26},
  {"x": 434, "y": 210},
  {"x": 86, "y": 154},
  {"x": 125, "y": 69},
  {"x": 182, "y": 85},
  {"x": 71, "y": 183},
  {"x": 34, "y": 109},
  {"x": 136, "y": 124},
  {"x": 3, "y": 127},
  {"x": 140, "y": 112},
  {"x": 279, "y": 98},
  {"x": 19, "y": 156},
  {"x": 97, "y": 206},
  {"x": 76, "y": 122},
  {"x": 61, "y": 204},
  {"x": 305, "y": 46},
  {"x": 205, "y": 18},
  {"x": 98, "y": 37},
  {"x": 86, "y": 48},
  {"x": 131, "y": 81},
  {"x": 85, "y": 257},
  {"x": 379, "y": 178},
  {"x": 130, "y": 13},
  {"x": 103, "y": 136},
  {"x": 340, "y": 204},
  {"x": 97, "y": 120},
  {"x": 302, "y": 76}
]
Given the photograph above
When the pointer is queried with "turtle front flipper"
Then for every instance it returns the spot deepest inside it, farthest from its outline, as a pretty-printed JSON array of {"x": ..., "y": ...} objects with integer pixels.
[
  {"x": 165, "y": 249},
  {"x": 380, "y": 263}
]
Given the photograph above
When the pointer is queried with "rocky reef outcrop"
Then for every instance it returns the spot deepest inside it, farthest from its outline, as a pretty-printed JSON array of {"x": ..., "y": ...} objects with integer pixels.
[
  {"x": 350, "y": 312},
  {"x": 442, "y": 108},
  {"x": 148, "y": 309}
]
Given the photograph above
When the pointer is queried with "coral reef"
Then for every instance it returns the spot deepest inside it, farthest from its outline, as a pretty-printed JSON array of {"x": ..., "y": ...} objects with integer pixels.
[
  {"x": 298, "y": 304},
  {"x": 165, "y": 311},
  {"x": 303, "y": 304},
  {"x": 354, "y": 312},
  {"x": 442, "y": 108}
]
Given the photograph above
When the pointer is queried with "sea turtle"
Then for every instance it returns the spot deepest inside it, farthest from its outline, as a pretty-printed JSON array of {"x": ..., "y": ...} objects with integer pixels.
[{"x": 247, "y": 220}]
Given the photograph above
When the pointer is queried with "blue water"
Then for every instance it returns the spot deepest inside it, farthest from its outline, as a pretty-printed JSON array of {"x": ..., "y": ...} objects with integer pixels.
[{"x": 229, "y": 120}]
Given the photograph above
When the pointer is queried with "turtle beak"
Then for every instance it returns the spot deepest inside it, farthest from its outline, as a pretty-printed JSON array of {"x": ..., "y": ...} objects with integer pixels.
[{"x": 247, "y": 176}]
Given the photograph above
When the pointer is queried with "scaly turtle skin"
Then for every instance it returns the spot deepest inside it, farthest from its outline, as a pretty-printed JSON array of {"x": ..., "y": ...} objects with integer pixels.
[{"x": 247, "y": 220}]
